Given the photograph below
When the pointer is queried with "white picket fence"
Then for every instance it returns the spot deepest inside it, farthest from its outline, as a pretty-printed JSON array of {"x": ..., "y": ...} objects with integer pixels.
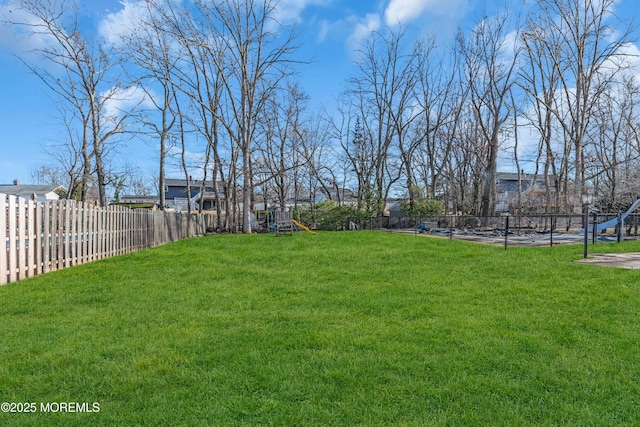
[{"x": 39, "y": 237}]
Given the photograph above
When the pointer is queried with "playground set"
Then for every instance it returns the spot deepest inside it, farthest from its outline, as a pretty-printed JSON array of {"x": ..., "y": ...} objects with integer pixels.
[
  {"x": 616, "y": 222},
  {"x": 280, "y": 223},
  {"x": 544, "y": 230}
]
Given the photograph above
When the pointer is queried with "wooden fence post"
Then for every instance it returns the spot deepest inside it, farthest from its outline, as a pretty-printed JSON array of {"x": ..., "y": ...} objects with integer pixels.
[
  {"x": 60, "y": 235},
  {"x": 38, "y": 238},
  {"x": 46, "y": 244},
  {"x": 12, "y": 239},
  {"x": 3, "y": 239},
  {"x": 32, "y": 237},
  {"x": 21, "y": 242},
  {"x": 67, "y": 233}
]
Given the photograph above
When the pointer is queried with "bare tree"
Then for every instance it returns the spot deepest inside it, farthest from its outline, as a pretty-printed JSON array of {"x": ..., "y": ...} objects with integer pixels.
[
  {"x": 360, "y": 152},
  {"x": 489, "y": 69},
  {"x": 466, "y": 166},
  {"x": 200, "y": 78},
  {"x": 540, "y": 80},
  {"x": 281, "y": 124},
  {"x": 576, "y": 40},
  {"x": 320, "y": 161},
  {"x": 68, "y": 157},
  {"x": 612, "y": 156},
  {"x": 151, "y": 49},
  {"x": 256, "y": 53},
  {"x": 382, "y": 92},
  {"x": 441, "y": 98},
  {"x": 80, "y": 72}
]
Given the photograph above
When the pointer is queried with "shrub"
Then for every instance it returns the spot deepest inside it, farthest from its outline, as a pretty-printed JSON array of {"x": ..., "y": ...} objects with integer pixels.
[
  {"x": 420, "y": 205},
  {"x": 329, "y": 216}
]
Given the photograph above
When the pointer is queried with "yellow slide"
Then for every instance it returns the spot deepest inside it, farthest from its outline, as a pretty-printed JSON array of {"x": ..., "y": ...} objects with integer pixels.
[{"x": 304, "y": 227}]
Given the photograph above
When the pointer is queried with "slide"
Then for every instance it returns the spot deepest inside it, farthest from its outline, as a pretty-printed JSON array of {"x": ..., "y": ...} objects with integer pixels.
[
  {"x": 305, "y": 228},
  {"x": 613, "y": 222}
]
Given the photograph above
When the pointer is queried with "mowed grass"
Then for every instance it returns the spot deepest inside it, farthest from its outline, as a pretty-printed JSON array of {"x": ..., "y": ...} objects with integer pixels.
[{"x": 353, "y": 328}]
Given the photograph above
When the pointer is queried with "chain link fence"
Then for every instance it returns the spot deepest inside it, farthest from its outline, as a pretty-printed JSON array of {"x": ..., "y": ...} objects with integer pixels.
[{"x": 538, "y": 229}]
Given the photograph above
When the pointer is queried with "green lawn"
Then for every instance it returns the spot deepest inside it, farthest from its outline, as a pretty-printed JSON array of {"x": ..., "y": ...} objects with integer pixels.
[{"x": 353, "y": 328}]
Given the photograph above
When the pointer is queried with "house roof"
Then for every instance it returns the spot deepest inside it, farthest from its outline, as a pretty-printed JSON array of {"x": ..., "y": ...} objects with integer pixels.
[
  {"x": 512, "y": 176},
  {"x": 138, "y": 198},
  {"x": 343, "y": 193},
  {"x": 508, "y": 182},
  {"x": 28, "y": 190},
  {"x": 181, "y": 182}
]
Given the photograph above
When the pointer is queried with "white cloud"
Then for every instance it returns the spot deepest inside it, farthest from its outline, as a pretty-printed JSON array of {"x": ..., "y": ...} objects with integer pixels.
[
  {"x": 324, "y": 31},
  {"x": 402, "y": 11},
  {"x": 362, "y": 28},
  {"x": 632, "y": 60},
  {"x": 629, "y": 56},
  {"x": 17, "y": 33},
  {"x": 122, "y": 100},
  {"x": 135, "y": 12},
  {"x": 511, "y": 43},
  {"x": 289, "y": 11},
  {"x": 125, "y": 21}
]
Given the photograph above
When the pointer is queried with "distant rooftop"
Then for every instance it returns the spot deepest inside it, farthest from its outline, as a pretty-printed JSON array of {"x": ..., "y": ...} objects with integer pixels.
[{"x": 27, "y": 191}]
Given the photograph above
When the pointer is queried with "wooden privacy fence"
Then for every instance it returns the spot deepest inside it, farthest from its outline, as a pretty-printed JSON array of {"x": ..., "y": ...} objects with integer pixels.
[{"x": 38, "y": 237}]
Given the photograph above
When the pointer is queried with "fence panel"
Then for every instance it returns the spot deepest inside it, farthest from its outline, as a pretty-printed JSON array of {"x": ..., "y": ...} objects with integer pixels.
[{"x": 38, "y": 237}]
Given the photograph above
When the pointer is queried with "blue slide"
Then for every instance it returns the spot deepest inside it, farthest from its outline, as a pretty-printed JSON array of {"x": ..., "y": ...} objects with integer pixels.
[{"x": 612, "y": 222}]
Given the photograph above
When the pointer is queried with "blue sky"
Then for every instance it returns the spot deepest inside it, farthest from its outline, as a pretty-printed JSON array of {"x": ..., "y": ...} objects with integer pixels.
[{"x": 329, "y": 30}]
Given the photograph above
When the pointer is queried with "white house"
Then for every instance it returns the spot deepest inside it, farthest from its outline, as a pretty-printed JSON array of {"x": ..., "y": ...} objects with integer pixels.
[{"x": 32, "y": 192}]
